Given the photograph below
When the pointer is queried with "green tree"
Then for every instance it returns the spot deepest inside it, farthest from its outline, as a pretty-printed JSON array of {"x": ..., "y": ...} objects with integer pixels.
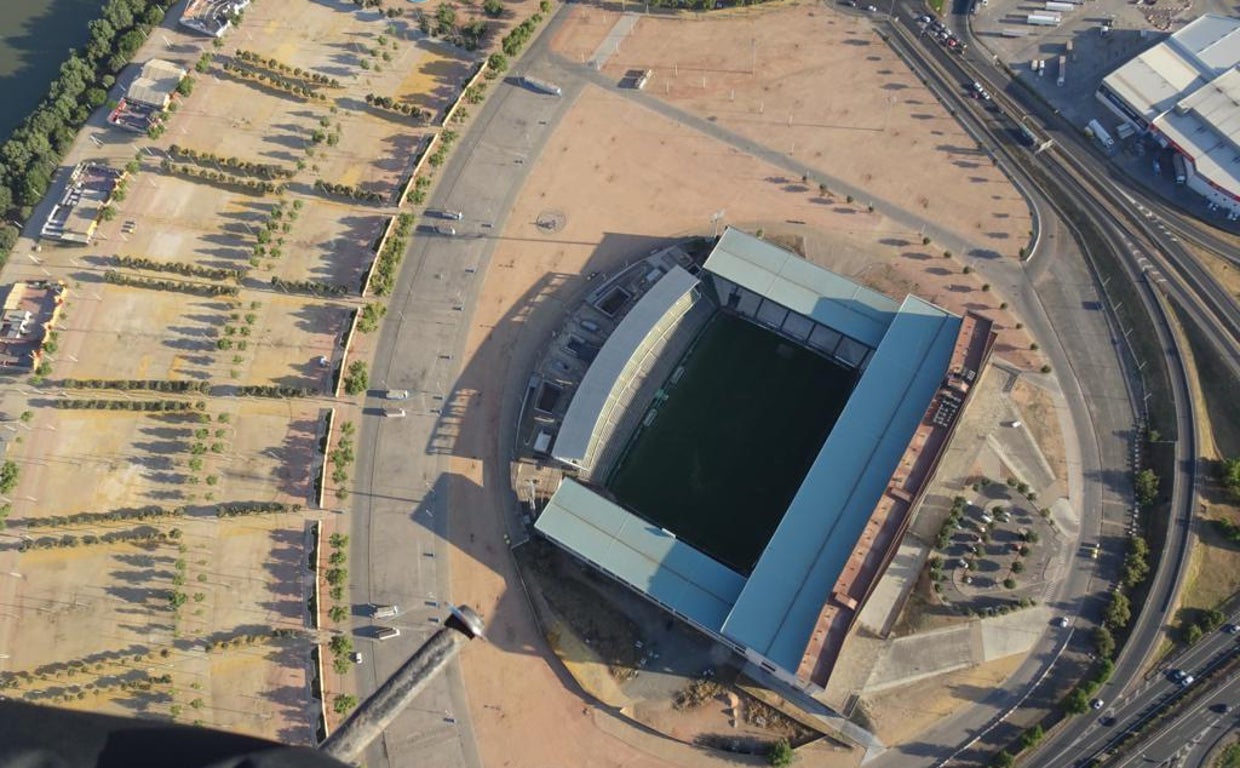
[
  {"x": 498, "y": 62},
  {"x": 1118, "y": 612},
  {"x": 338, "y": 613},
  {"x": 493, "y": 8},
  {"x": 344, "y": 703},
  {"x": 1104, "y": 642},
  {"x": 357, "y": 379},
  {"x": 1076, "y": 702},
  {"x": 781, "y": 754},
  {"x": 1146, "y": 487},
  {"x": 1230, "y": 476},
  {"x": 9, "y": 473}
]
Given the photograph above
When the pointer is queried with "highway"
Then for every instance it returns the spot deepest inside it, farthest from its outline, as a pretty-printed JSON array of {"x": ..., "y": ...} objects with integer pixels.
[
  {"x": 1107, "y": 728},
  {"x": 1062, "y": 190}
]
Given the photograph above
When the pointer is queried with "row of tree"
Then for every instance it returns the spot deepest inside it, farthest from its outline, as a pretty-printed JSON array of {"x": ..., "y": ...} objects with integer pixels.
[
  {"x": 245, "y": 508},
  {"x": 345, "y": 190},
  {"x": 152, "y": 512},
  {"x": 196, "y": 289},
  {"x": 277, "y": 66},
  {"x": 396, "y": 107},
  {"x": 34, "y": 150},
  {"x": 312, "y": 287},
  {"x": 69, "y": 541},
  {"x": 273, "y": 390},
  {"x": 242, "y": 167},
  {"x": 260, "y": 186},
  {"x": 179, "y": 268},
  {"x": 151, "y": 385},
  {"x": 275, "y": 82},
  {"x": 130, "y": 405}
]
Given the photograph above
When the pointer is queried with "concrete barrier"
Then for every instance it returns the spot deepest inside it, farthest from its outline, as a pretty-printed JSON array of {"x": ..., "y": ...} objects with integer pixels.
[
  {"x": 318, "y": 497},
  {"x": 347, "y": 343}
]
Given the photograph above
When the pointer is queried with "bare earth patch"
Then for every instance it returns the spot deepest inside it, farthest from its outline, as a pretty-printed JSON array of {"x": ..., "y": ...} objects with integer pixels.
[{"x": 763, "y": 75}]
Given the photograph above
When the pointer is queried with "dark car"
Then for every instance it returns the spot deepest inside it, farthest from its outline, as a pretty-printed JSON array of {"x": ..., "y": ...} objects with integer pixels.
[{"x": 1221, "y": 708}]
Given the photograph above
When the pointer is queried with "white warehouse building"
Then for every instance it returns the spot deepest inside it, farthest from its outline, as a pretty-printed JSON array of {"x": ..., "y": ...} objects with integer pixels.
[{"x": 1186, "y": 92}]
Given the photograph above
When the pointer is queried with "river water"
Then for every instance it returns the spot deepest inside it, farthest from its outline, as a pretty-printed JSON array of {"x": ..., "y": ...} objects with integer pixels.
[{"x": 35, "y": 37}]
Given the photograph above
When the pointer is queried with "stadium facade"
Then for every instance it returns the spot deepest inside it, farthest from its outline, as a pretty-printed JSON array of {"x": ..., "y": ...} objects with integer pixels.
[
  {"x": 790, "y": 615},
  {"x": 1185, "y": 92}
]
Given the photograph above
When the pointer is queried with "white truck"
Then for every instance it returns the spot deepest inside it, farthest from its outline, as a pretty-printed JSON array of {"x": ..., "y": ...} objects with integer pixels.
[
  {"x": 1057, "y": 7},
  {"x": 1098, "y": 132},
  {"x": 396, "y": 394},
  {"x": 1044, "y": 19}
]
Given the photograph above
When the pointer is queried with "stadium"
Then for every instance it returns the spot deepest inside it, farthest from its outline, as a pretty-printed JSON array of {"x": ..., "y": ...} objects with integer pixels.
[{"x": 747, "y": 444}]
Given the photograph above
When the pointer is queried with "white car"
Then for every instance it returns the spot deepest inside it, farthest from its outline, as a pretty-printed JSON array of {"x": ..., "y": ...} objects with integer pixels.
[
  {"x": 356, "y": 657},
  {"x": 871, "y": 9},
  {"x": 1062, "y": 621},
  {"x": 1097, "y": 704}
]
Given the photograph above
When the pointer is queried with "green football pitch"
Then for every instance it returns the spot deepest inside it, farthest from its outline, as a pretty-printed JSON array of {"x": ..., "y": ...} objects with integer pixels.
[{"x": 733, "y": 440}]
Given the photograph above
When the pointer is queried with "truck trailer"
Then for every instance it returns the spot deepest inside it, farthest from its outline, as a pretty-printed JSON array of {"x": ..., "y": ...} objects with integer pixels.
[
  {"x": 1181, "y": 168},
  {"x": 1044, "y": 19},
  {"x": 1063, "y": 71},
  {"x": 1100, "y": 133},
  {"x": 542, "y": 86},
  {"x": 1059, "y": 7}
]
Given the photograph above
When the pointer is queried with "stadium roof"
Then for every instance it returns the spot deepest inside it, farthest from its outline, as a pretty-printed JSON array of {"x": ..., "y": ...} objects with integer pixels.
[
  {"x": 776, "y": 611},
  {"x": 642, "y": 555},
  {"x": 594, "y": 395},
  {"x": 783, "y": 277},
  {"x": 156, "y": 83},
  {"x": 1188, "y": 89}
]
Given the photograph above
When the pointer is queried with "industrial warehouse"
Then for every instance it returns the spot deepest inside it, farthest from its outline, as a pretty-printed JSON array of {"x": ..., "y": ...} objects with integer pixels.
[
  {"x": 1186, "y": 92},
  {"x": 774, "y": 560}
]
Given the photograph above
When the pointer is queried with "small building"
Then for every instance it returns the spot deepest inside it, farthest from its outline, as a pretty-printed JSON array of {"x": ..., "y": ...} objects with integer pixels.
[
  {"x": 74, "y": 218},
  {"x": 155, "y": 84},
  {"x": 211, "y": 17},
  {"x": 28, "y": 313}
]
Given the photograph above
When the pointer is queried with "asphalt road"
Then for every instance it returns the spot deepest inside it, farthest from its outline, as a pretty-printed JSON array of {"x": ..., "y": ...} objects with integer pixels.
[
  {"x": 1106, "y": 727},
  {"x": 944, "y": 69},
  {"x": 401, "y": 507}
]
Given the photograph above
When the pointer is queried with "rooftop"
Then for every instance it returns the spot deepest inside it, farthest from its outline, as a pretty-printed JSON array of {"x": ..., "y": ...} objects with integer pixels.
[
  {"x": 156, "y": 83},
  {"x": 641, "y": 555},
  {"x": 787, "y": 279},
  {"x": 594, "y": 397},
  {"x": 779, "y": 606},
  {"x": 1188, "y": 88}
]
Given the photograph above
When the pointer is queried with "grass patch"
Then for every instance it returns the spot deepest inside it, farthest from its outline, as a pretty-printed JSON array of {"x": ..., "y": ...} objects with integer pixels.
[
  {"x": 733, "y": 439},
  {"x": 1228, "y": 758},
  {"x": 1217, "y": 387}
]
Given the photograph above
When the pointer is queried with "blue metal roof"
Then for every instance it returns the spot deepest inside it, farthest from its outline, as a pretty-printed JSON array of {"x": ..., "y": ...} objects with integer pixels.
[
  {"x": 642, "y": 555},
  {"x": 780, "y": 603},
  {"x": 572, "y": 444},
  {"x": 785, "y": 278}
]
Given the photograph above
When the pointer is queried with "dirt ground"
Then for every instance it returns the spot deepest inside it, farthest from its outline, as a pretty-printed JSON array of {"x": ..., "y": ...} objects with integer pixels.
[
  {"x": 1038, "y": 409},
  {"x": 899, "y": 715},
  {"x": 245, "y": 572},
  {"x": 762, "y": 73}
]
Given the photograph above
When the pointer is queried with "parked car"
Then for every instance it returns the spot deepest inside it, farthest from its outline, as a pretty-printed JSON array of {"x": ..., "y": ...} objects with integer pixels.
[{"x": 1097, "y": 704}]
